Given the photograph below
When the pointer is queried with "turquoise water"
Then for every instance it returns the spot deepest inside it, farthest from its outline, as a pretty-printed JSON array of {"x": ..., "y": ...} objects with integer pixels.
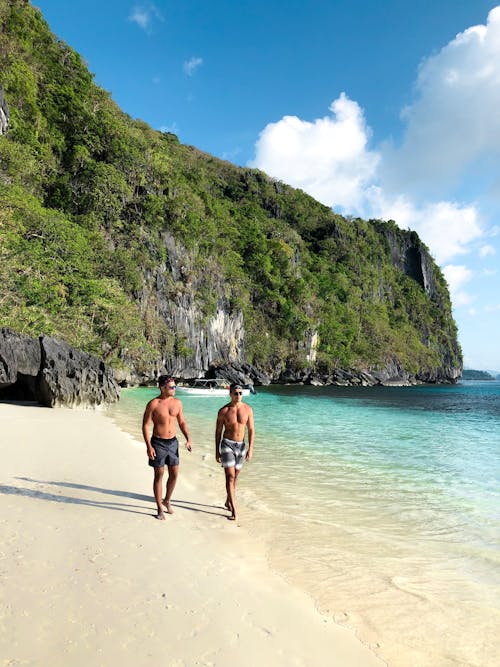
[{"x": 383, "y": 503}]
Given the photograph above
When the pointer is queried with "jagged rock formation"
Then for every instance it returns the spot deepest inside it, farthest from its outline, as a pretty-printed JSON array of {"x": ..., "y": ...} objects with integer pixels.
[
  {"x": 52, "y": 373},
  {"x": 20, "y": 362},
  {"x": 221, "y": 338},
  {"x": 4, "y": 113},
  {"x": 410, "y": 257}
]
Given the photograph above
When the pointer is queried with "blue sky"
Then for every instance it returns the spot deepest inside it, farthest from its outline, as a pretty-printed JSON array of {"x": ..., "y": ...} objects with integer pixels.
[{"x": 382, "y": 109}]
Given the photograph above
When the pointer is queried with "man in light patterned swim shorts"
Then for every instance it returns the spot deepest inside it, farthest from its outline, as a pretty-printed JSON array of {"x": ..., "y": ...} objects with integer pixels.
[{"x": 230, "y": 452}]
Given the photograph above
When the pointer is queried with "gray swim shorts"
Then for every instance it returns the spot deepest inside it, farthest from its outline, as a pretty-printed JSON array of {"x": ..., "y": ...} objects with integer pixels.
[
  {"x": 167, "y": 452},
  {"x": 232, "y": 453}
]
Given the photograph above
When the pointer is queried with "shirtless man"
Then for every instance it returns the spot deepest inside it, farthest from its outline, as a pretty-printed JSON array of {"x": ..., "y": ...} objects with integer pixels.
[
  {"x": 230, "y": 451},
  {"x": 163, "y": 447}
]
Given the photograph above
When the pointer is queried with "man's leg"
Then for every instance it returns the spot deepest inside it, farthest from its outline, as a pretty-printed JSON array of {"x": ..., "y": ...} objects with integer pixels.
[
  {"x": 231, "y": 475},
  {"x": 173, "y": 472},
  {"x": 157, "y": 489},
  {"x": 228, "y": 500}
]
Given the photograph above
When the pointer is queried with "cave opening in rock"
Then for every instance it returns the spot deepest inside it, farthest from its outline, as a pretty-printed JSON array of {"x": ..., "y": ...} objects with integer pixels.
[
  {"x": 22, "y": 390},
  {"x": 413, "y": 265}
]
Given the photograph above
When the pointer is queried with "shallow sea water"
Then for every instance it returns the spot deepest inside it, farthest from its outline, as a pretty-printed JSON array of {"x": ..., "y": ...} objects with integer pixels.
[{"x": 382, "y": 503}]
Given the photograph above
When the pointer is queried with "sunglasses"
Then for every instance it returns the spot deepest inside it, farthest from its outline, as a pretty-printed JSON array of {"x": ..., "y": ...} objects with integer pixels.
[
  {"x": 238, "y": 393},
  {"x": 170, "y": 386}
]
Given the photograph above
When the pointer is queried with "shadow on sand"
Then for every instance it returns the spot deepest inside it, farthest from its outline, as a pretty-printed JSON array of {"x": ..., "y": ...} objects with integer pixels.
[{"x": 102, "y": 504}]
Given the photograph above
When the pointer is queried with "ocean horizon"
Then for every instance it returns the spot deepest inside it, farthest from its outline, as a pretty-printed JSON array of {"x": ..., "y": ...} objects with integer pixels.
[{"x": 383, "y": 503}]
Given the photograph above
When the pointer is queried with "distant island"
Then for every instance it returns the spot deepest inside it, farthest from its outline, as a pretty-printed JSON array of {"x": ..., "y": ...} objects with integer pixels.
[{"x": 470, "y": 374}]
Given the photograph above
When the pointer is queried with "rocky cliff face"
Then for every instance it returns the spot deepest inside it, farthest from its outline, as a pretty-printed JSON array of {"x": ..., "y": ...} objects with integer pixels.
[
  {"x": 220, "y": 340},
  {"x": 411, "y": 256},
  {"x": 201, "y": 340},
  {"x": 216, "y": 345},
  {"x": 52, "y": 373}
]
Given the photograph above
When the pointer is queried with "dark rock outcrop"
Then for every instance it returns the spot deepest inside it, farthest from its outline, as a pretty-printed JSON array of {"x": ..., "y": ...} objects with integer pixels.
[
  {"x": 411, "y": 257},
  {"x": 71, "y": 377},
  {"x": 391, "y": 375},
  {"x": 52, "y": 373},
  {"x": 20, "y": 362},
  {"x": 242, "y": 373}
]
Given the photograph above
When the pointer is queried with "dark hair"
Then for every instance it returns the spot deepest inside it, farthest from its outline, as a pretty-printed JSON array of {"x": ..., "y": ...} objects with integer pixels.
[
  {"x": 163, "y": 379},
  {"x": 233, "y": 386}
]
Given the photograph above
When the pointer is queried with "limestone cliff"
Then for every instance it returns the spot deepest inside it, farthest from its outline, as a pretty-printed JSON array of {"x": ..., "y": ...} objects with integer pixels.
[
  {"x": 217, "y": 344},
  {"x": 411, "y": 256},
  {"x": 205, "y": 341}
]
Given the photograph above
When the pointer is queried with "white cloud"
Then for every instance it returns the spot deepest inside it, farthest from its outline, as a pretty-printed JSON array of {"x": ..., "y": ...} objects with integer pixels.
[
  {"x": 191, "y": 65},
  {"x": 492, "y": 309},
  {"x": 457, "y": 276},
  {"x": 451, "y": 125},
  {"x": 446, "y": 227},
  {"x": 328, "y": 158},
  {"x": 144, "y": 15},
  {"x": 454, "y": 119},
  {"x": 486, "y": 250}
]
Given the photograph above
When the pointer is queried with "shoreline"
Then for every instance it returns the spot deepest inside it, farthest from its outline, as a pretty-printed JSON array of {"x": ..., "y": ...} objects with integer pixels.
[
  {"x": 91, "y": 576},
  {"x": 412, "y": 600}
]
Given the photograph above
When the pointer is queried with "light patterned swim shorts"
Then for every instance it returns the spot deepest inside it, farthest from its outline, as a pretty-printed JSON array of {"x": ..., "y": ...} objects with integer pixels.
[{"x": 232, "y": 453}]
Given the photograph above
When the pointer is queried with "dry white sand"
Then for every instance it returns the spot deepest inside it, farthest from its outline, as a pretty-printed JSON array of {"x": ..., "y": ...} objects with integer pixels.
[{"x": 89, "y": 577}]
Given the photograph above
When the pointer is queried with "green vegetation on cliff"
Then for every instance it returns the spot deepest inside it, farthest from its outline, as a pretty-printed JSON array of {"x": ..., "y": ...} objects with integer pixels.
[{"x": 91, "y": 200}]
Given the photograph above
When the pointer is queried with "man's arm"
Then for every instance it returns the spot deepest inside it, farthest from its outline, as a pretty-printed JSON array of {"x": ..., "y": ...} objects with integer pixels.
[
  {"x": 147, "y": 420},
  {"x": 251, "y": 434},
  {"x": 218, "y": 432},
  {"x": 183, "y": 426}
]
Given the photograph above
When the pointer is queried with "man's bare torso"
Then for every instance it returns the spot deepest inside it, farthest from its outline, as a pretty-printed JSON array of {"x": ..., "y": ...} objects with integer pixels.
[
  {"x": 235, "y": 418},
  {"x": 164, "y": 412}
]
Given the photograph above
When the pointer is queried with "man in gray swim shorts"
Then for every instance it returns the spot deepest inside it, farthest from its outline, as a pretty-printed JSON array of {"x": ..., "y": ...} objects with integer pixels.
[
  {"x": 167, "y": 452},
  {"x": 164, "y": 413},
  {"x": 230, "y": 451}
]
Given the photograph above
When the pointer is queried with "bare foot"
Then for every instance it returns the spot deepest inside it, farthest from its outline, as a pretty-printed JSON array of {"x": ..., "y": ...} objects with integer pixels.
[
  {"x": 160, "y": 516},
  {"x": 232, "y": 517},
  {"x": 168, "y": 506}
]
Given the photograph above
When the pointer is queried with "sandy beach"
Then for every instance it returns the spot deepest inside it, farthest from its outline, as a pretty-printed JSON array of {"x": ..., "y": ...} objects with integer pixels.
[{"x": 90, "y": 577}]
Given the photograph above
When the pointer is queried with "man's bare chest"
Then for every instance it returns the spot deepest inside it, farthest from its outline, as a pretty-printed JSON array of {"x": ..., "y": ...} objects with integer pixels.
[
  {"x": 236, "y": 416},
  {"x": 165, "y": 413}
]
